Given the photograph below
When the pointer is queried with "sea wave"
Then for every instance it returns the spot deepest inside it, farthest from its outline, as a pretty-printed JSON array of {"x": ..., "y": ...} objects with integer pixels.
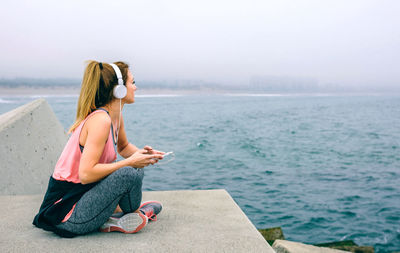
[
  {"x": 158, "y": 95},
  {"x": 5, "y": 101},
  {"x": 281, "y": 94},
  {"x": 254, "y": 95},
  {"x": 302, "y": 94},
  {"x": 52, "y": 96}
]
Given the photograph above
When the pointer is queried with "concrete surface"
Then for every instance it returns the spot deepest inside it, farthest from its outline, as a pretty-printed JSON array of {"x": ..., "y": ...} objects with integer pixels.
[
  {"x": 283, "y": 246},
  {"x": 32, "y": 138},
  {"x": 191, "y": 221}
]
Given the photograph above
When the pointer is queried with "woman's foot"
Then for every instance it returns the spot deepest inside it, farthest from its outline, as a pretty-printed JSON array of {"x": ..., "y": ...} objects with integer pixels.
[
  {"x": 151, "y": 209},
  {"x": 129, "y": 223}
]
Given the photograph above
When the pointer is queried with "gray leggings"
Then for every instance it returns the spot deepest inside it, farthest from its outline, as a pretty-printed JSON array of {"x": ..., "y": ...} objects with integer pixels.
[{"x": 123, "y": 187}]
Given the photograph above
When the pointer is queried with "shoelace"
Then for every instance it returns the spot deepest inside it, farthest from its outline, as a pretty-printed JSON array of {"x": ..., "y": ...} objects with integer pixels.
[{"x": 150, "y": 214}]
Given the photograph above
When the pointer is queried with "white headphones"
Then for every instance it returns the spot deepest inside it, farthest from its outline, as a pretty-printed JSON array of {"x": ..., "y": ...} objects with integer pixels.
[{"x": 119, "y": 90}]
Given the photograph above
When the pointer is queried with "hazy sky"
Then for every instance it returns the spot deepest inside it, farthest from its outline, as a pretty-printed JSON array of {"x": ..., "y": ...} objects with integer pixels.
[{"x": 340, "y": 41}]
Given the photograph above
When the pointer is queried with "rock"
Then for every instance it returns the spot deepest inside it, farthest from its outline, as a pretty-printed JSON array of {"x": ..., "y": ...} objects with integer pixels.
[
  {"x": 348, "y": 245},
  {"x": 272, "y": 234},
  {"x": 336, "y": 244},
  {"x": 282, "y": 246},
  {"x": 356, "y": 249}
]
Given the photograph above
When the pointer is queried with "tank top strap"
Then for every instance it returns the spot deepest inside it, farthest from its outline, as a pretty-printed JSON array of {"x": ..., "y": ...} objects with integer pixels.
[
  {"x": 78, "y": 130},
  {"x": 112, "y": 128},
  {"x": 102, "y": 110}
]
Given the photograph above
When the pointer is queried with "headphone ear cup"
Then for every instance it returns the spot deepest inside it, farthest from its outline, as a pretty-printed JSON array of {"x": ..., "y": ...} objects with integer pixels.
[{"x": 119, "y": 91}]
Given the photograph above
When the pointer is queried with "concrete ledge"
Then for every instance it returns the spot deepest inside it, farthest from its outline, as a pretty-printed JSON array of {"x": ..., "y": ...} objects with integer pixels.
[
  {"x": 191, "y": 221},
  {"x": 283, "y": 246},
  {"x": 32, "y": 138}
]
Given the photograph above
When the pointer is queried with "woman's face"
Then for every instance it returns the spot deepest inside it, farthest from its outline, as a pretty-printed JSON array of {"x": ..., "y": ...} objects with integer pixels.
[{"x": 131, "y": 88}]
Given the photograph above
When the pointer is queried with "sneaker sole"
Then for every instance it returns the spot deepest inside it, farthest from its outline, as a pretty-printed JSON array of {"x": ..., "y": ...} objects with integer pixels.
[{"x": 129, "y": 223}]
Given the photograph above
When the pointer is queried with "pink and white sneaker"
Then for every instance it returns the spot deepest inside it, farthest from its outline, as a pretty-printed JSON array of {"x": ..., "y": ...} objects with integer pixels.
[
  {"x": 151, "y": 209},
  {"x": 129, "y": 223}
]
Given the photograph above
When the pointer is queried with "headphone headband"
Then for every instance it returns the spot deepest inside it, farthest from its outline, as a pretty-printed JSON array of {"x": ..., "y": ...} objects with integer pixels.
[{"x": 118, "y": 72}]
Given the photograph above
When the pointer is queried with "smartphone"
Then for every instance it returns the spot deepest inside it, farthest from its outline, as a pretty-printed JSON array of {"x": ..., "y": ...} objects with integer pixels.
[{"x": 165, "y": 155}]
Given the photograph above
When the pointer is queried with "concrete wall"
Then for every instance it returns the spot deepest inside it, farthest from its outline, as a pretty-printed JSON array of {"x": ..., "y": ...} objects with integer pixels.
[{"x": 29, "y": 148}]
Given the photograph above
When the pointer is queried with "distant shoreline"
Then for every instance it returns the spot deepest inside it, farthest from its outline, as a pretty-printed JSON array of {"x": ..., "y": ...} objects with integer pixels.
[
  {"x": 74, "y": 91},
  {"x": 66, "y": 91}
]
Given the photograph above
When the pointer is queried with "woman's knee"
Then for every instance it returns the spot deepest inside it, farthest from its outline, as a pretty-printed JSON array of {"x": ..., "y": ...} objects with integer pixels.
[{"x": 128, "y": 175}]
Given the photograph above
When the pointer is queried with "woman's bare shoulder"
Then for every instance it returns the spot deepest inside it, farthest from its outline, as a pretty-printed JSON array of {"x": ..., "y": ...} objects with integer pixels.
[{"x": 99, "y": 122}]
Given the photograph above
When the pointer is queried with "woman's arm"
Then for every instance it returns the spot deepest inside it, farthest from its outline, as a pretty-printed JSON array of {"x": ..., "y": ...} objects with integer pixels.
[
  {"x": 98, "y": 129},
  {"x": 125, "y": 148}
]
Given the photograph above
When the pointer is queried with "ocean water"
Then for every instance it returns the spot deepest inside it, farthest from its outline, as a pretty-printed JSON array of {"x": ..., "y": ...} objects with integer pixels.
[{"x": 324, "y": 168}]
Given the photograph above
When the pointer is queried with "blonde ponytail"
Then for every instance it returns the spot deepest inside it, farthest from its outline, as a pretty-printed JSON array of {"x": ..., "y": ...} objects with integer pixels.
[
  {"x": 87, "y": 96},
  {"x": 98, "y": 82}
]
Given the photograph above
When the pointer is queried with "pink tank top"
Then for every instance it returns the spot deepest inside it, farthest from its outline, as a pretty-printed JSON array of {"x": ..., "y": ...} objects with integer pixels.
[{"x": 67, "y": 167}]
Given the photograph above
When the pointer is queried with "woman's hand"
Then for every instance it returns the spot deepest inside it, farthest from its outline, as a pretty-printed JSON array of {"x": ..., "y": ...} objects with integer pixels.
[
  {"x": 152, "y": 151},
  {"x": 142, "y": 158}
]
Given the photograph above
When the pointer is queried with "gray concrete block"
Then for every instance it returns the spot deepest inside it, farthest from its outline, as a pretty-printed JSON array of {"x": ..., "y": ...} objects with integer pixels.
[
  {"x": 32, "y": 139},
  {"x": 191, "y": 221},
  {"x": 283, "y": 246}
]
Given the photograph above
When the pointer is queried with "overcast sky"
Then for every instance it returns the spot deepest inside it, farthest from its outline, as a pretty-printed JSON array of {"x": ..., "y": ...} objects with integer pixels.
[{"x": 341, "y": 41}]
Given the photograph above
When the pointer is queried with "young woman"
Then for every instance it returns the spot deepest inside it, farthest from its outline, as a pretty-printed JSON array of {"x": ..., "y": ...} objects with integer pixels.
[{"x": 88, "y": 190}]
